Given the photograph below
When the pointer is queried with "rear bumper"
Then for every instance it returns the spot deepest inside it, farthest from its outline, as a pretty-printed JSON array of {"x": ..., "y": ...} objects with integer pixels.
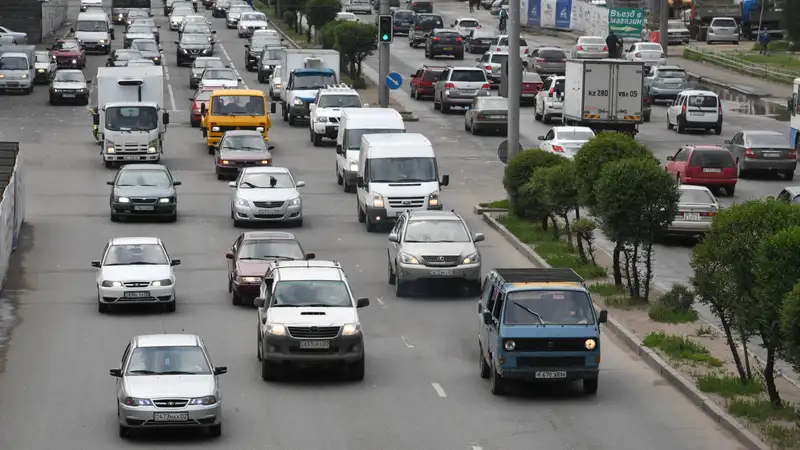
[
  {"x": 688, "y": 227},
  {"x": 710, "y": 181},
  {"x": 766, "y": 164}
]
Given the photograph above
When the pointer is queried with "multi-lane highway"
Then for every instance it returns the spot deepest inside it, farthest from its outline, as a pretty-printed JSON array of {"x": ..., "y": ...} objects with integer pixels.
[{"x": 422, "y": 389}]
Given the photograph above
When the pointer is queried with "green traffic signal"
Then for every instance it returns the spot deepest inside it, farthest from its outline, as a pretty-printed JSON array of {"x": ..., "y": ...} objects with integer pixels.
[{"x": 385, "y": 37}]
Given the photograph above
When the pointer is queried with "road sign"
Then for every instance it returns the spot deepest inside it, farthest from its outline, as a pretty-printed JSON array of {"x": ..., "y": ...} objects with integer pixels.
[
  {"x": 502, "y": 151},
  {"x": 394, "y": 80},
  {"x": 626, "y": 22}
]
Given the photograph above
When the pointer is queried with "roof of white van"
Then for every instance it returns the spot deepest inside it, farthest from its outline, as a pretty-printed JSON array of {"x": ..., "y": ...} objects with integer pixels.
[
  {"x": 372, "y": 112},
  {"x": 89, "y": 15},
  {"x": 403, "y": 145},
  {"x": 372, "y": 118}
]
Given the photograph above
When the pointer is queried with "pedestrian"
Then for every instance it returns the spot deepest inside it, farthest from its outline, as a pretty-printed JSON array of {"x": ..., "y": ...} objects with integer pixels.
[
  {"x": 612, "y": 43},
  {"x": 763, "y": 39},
  {"x": 503, "y": 15},
  {"x": 471, "y": 5}
]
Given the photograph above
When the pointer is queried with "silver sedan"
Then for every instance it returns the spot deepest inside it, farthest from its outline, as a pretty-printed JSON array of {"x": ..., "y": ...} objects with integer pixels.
[
  {"x": 487, "y": 114},
  {"x": 266, "y": 194},
  {"x": 763, "y": 151},
  {"x": 590, "y": 47},
  {"x": 696, "y": 209}
]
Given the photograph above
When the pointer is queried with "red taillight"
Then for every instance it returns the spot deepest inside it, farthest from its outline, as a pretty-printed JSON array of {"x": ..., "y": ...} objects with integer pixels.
[
  {"x": 498, "y": 49},
  {"x": 417, "y": 27},
  {"x": 487, "y": 67},
  {"x": 749, "y": 153},
  {"x": 558, "y": 148},
  {"x": 481, "y": 117},
  {"x": 486, "y": 86},
  {"x": 458, "y": 39},
  {"x": 707, "y": 214},
  {"x": 449, "y": 86},
  {"x": 793, "y": 154},
  {"x": 539, "y": 60},
  {"x": 638, "y": 54},
  {"x": 580, "y": 48},
  {"x": 719, "y": 108},
  {"x": 683, "y": 109},
  {"x": 605, "y": 49},
  {"x": 526, "y": 51},
  {"x": 435, "y": 39},
  {"x": 550, "y": 92},
  {"x": 414, "y": 4}
]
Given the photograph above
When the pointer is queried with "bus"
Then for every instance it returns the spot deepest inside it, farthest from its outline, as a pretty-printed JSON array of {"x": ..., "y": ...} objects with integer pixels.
[{"x": 794, "y": 115}]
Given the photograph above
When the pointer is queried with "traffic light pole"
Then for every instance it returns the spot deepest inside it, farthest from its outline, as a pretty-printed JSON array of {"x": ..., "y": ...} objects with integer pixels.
[
  {"x": 383, "y": 63},
  {"x": 514, "y": 77}
]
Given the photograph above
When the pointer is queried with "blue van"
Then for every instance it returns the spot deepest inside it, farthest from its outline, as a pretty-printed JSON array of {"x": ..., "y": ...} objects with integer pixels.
[{"x": 538, "y": 325}]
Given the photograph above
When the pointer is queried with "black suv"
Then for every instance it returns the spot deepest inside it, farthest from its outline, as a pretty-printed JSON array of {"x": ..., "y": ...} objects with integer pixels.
[
  {"x": 444, "y": 43},
  {"x": 191, "y": 46},
  {"x": 420, "y": 6},
  {"x": 422, "y": 27}
]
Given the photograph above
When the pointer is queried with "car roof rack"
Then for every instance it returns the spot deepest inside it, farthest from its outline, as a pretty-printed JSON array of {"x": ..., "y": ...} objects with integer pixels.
[{"x": 539, "y": 275}]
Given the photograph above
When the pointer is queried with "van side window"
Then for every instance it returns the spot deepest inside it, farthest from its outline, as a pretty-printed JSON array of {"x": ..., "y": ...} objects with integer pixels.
[
  {"x": 497, "y": 303},
  {"x": 784, "y": 196},
  {"x": 486, "y": 292},
  {"x": 366, "y": 169}
]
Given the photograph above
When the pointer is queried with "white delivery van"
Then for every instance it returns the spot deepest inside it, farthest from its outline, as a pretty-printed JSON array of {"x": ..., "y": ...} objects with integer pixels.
[
  {"x": 396, "y": 172},
  {"x": 353, "y": 124},
  {"x": 95, "y": 32}
]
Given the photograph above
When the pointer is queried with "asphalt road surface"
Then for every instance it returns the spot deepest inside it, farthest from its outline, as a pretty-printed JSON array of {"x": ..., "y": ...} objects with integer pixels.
[{"x": 422, "y": 389}]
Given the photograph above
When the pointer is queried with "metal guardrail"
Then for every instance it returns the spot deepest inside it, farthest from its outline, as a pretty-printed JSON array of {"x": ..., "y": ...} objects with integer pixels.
[{"x": 740, "y": 65}]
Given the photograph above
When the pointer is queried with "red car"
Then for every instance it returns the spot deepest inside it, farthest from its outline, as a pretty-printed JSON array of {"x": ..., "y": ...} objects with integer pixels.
[
  {"x": 531, "y": 85},
  {"x": 252, "y": 254},
  {"x": 201, "y": 96},
  {"x": 423, "y": 79},
  {"x": 704, "y": 165},
  {"x": 69, "y": 54}
]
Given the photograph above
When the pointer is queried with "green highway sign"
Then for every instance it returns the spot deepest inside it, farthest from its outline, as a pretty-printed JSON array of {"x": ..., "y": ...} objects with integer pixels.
[{"x": 626, "y": 22}]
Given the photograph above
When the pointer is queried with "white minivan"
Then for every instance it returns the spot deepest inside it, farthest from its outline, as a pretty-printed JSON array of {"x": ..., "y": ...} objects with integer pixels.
[
  {"x": 694, "y": 109},
  {"x": 396, "y": 173},
  {"x": 94, "y": 31},
  {"x": 354, "y": 123}
]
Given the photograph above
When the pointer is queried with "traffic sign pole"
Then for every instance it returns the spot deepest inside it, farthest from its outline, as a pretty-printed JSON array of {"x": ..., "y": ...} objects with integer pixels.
[
  {"x": 514, "y": 77},
  {"x": 383, "y": 63}
]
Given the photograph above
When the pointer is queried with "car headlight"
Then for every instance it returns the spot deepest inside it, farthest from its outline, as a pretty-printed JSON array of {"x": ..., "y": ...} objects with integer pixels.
[
  {"x": 248, "y": 279},
  {"x": 377, "y": 200},
  {"x": 183, "y": 50},
  {"x": 297, "y": 101},
  {"x": 207, "y": 50},
  {"x": 472, "y": 259},
  {"x": 510, "y": 345},
  {"x": 24, "y": 75},
  {"x": 123, "y": 200},
  {"x": 590, "y": 344},
  {"x": 266, "y": 162},
  {"x": 115, "y": 284},
  {"x": 156, "y": 58},
  {"x": 260, "y": 129},
  {"x": 351, "y": 329},
  {"x": 433, "y": 199},
  {"x": 241, "y": 202},
  {"x": 41, "y": 70},
  {"x": 165, "y": 200},
  {"x": 133, "y": 401},
  {"x": 322, "y": 119},
  {"x": 109, "y": 148},
  {"x": 151, "y": 147},
  {"x": 74, "y": 61},
  {"x": 207, "y": 400},
  {"x": 276, "y": 329},
  {"x": 103, "y": 41},
  {"x": 295, "y": 201},
  {"x": 214, "y": 128},
  {"x": 354, "y": 166},
  {"x": 161, "y": 283},
  {"x": 405, "y": 258},
  {"x": 277, "y": 85}
]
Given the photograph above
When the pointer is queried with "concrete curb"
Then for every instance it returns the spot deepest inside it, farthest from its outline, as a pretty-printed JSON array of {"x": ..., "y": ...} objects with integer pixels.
[
  {"x": 478, "y": 209},
  {"x": 681, "y": 383}
]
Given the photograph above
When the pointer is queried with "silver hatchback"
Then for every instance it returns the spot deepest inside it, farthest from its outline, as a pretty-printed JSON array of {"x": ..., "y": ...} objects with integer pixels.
[
  {"x": 458, "y": 86},
  {"x": 266, "y": 194},
  {"x": 696, "y": 210}
]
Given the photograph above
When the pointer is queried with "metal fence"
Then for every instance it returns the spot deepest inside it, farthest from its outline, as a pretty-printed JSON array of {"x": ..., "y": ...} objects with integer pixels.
[{"x": 740, "y": 65}]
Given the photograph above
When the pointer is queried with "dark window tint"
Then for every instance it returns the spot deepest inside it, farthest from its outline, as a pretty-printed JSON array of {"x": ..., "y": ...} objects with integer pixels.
[
  {"x": 468, "y": 23},
  {"x": 552, "y": 54},
  {"x": 428, "y": 22},
  {"x": 432, "y": 75},
  {"x": 766, "y": 140},
  {"x": 724, "y": 23},
  {"x": 711, "y": 158},
  {"x": 696, "y": 197},
  {"x": 468, "y": 75},
  {"x": 559, "y": 86},
  {"x": 447, "y": 35},
  {"x": 703, "y": 101},
  {"x": 403, "y": 15},
  {"x": 499, "y": 59},
  {"x": 672, "y": 73}
]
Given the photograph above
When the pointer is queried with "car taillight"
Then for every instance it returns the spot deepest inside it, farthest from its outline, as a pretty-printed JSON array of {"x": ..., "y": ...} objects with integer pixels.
[
  {"x": 683, "y": 109},
  {"x": 638, "y": 54},
  {"x": 481, "y": 117},
  {"x": 498, "y": 49},
  {"x": 458, "y": 39},
  {"x": 487, "y": 67},
  {"x": 605, "y": 48},
  {"x": 435, "y": 39},
  {"x": 526, "y": 51},
  {"x": 749, "y": 153},
  {"x": 539, "y": 60},
  {"x": 449, "y": 86},
  {"x": 414, "y": 4},
  {"x": 486, "y": 86},
  {"x": 417, "y": 27},
  {"x": 558, "y": 148},
  {"x": 550, "y": 92},
  {"x": 580, "y": 48},
  {"x": 708, "y": 214},
  {"x": 719, "y": 108}
]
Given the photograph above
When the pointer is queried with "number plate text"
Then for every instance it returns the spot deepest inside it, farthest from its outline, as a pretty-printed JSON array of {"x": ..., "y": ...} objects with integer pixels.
[
  {"x": 137, "y": 294},
  {"x": 442, "y": 273},
  {"x": 171, "y": 417},
  {"x": 691, "y": 216},
  {"x": 315, "y": 344},
  {"x": 550, "y": 375},
  {"x": 144, "y": 207}
]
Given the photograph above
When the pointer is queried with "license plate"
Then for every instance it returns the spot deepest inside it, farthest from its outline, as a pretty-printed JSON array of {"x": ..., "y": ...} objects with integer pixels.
[
  {"x": 497, "y": 117},
  {"x": 551, "y": 375},
  {"x": 673, "y": 85},
  {"x": 696, "y": 113},
  {"x": 691, "y": 216},
  {"x": 528, "y": 94},
  {"x": 269, "y": 212},
  {"x": 467, "y": 91},
  {"x": 398, "y": 214},
  {"x": 447, "y": 49},
  {"x": 170, "y": 417},
  {"x": 707, "y": 170},
  {"x": 315, "y": 344},
  {"x": 130, "y": 158},
  {"x": 442, "y": 273},
  {"x": 772, "y": 155},
  {"x": 144, "y": 208},
  {"x": 68, "y": 95},
  {"x": 137, "y": 294}
]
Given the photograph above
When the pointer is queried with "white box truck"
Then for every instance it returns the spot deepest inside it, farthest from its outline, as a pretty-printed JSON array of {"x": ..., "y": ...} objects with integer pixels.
[
  {"x": 303, "y": 73},
  {"x": 130, "y": 114},
  {"x": 604, "y": 94}
]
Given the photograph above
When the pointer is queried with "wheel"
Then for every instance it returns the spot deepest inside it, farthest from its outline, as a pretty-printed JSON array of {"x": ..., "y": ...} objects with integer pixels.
[
  {"x": 498, "y": 383},
  {"x": 123, "y": 431},
  {"x": 647, "y": 117},
  {"x": 417, "y": 96},
  {"x": 730, "y": 190},
  {"x": 483, "y": 368},
  {"x": 284, "y": 113},
  {"x": 346, "y": 187},
  {"x": 195, "y": 124},
  {"x": 536, "y": 115},
  {"x": 173, "y": 218},
  {"x": 269, "y": 371},
  {"x": 210, "y": 149},
  {"x": 392, "y": 279},
  {"x": 236, "y": 299},
  {"x": 362, "y": 217},
  {"x": 681, "y": 126},
  {"x": 52, "y": 100},
  {"x": 114, "y": 217},
  {"x": 400, "y": 287},
  {"x": 316, "y": 139},
  {"x": 590, "y": 385},
  {"x": 215, "y": 430},
  {"x": 356, "y": 370},
  {"x": 371, "y": 227},
  {"x": 436, "y": 105},
  {"x": 411, "y": 93},
  {"x": 669, "y": 124},
  {"x": 474, "y": 130},
  {"x": 466, "y": 127},
  {"x": 545, "y": 118},
  {"x": 473, "y": 288},
  {"x": 789, "y": 175},
  {"x": 445, "y": 108},
  {"x": 291, "y": 120},
  {"x": 102, "y": 308},
  {"x": 460, "y": 56},
  {"x": 171, "y": 306},
  {"x": 339, "y": 178},
  {"x": 718, "y": 129},
  {"x": 741, "y": 173}
]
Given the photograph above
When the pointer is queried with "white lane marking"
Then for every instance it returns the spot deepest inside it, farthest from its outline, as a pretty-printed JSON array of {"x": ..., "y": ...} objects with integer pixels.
[
  {"x": 476, "y": 447},
  {"x": 380, "y": 301},
  {"x": 233, "y": 66},
  {"x": 407, "y": 341},
  {"x": 171, "y": 96},
  {"x": 439, "y": 390},
  {"x": 166, "y": 70}
]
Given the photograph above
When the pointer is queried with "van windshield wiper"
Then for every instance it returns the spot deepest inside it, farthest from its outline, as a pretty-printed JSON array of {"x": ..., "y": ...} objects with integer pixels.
[{"x": 530, "y": 311}]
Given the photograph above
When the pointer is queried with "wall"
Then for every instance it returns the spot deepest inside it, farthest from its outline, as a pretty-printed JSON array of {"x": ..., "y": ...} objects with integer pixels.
[
  {"x": 54, "y": 14},
  {"x": 38, "y": 19}
]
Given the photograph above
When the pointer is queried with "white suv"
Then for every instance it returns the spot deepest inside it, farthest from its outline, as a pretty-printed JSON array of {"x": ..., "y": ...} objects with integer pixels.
[
  {"x": 327, "y": 109},
  {"x": 549, "y": 102},
  {"x": 307, "y": 315},
  {"x": 694, "y": 109},
  {"x": 723, "y": 29}
]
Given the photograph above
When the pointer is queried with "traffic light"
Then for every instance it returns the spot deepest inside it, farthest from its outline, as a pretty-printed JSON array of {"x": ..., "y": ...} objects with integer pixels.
[{"x": 385, "y": 28}]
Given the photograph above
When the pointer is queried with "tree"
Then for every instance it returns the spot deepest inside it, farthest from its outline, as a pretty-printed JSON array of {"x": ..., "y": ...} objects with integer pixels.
[
  {"x": 319, "y": 13},
  {"x": 354, "y": 41},
  {"x": 561, "y": 194},
  {"x": 603, "y": 149},
  {"x": 791, "y": 22},
  {"x": 790, "y": 326},
  {"x": 636, "y": 201},
  {"x": 523, "y": 198}
]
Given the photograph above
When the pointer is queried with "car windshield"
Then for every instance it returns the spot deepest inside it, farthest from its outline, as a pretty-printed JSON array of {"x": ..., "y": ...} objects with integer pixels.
[
  {"x": 208, "y": 63},
  {"x": 401, "y": 170},
  {"x": 467, "y": 75},
  {"x": 136, "y": 254},
  {"x": 155, "y": 178},
  {"x": 271, "y": 55},
  {"x": 91, "y": 25},
  {"x": 146, "y": 46},
  {"x": 696, "y": 196},
  {"x": 276, "y": 180},
  {"x": 403, "y": 15},
  {"x": 244, "y": 143},
  {"x": 671, "y": 73},
  {"x": 131, "y": 118},
  {"x": 548, "y": 307},
  {"x": 194, "y": 39},
  {"x": 42, "y": 57},
  {"x": 499, "y": 58},
  {"x": 238, "y": 105},
  {"x": 177, "y": 360},
  {"x": 70, "y": 76},
  {"x": 339, "y": 101},
  {"x": 436, "y": 231},
  {"x": 254, "y": 17},
  {"x": 203, "y": 96},
  {"x": 354, "y": 136},
  {"x": 766, "y": 140},
  {"x": 197, "y": 28},
  {"x": 711, "y": 158},
  {"x": 593, "y": 40},
  {"x": 574, "y": 135},
  {"x": 139, "y": 30},
  {"x": 311, "y": 293},
  {"x": 531, "y": 77},
  {"x": 649, "y": 47},
  {"x": 703, "y": 101},
  {"x": 468, "y": 24},
  {"x": 265, "y": 249},
  {"x": 497, "y": 103},
  {"x": 127, "y": 55},
  {"x": 552, "y": 55},
  {"x": 68, "y": 46},
  {"x": 219, "y": 74},
  {"x": 313, "y": 81}
]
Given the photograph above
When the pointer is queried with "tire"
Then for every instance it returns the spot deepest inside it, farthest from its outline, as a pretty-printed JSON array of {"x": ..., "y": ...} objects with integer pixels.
[
  {"x": 483, "y": 368},
  {"x": 371, "y": 227},
  {"x": 474, "y": 130},
  {"x": 269, "y": 371},
  {"x": 445, "y": 108},
  {"x": 474, "y": 288},
  {"x": 362, "y": 217},
  {"x": 536, "y": 115},
  {"x": 346, "y": 186},
  {"x": 436, "y": 105},
  {"x": 109, "y": 164},
  {"x": 788, "y": 175},
  {"x": 460, "y": 56},
  {"x": 291, "y": 120},
  {"x": 730, "y": 190},
  {"x": 236, "y": 299},
  {"x": 195, "y": 124},
  {"x": 392, "y": 278},
  {"x": 590, "y": 385},
  {"x": 356, "y": 370},
  {"x": 172, "y": 306},
  {"x": 339, "y": 178},
  {"x": 400, "y": 287},
  {"x": 417, "y": 95},
  {"x": 498, "y": 383},
  {"x": 52, "y": 101},
  {"x": 102, "y": 308},
  {"x": 114, "y": 217},
  {"x": 669, "y": 124},
  {"x": 741, "y": 173},
  {"x": 647, "y": 117},
  {"x": 215, "y": 431},
  {"x": 681, "y": 126},
  {"x": 718, "y": 129},
  {"x": 316, "y": 139},
  {"x": 210, "y": 149}
]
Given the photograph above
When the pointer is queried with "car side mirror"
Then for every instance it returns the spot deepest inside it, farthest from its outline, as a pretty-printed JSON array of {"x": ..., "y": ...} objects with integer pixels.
[
  {"x": 219, "y": 370},
  {"x": 166, "y": 118},
  {"x": 191, "y": 99},
  {"x": 362, "y": 302},
  {"x": 413, "y": 75},
  {"x": 177, "y": 183},
  {"x": 360, "y": 182},
  {"x": 246, "y": 45},
  {"x": 311, "y": 255},
  {"x": 88, "y": 81},
  {"x": 300, "y": 184},
  {"x": 603, "y": 316},
  {"x": 177, "y": 42},
  {"x": 232, "y": 184},
  {"x": 96, "y": 119},
  {"x": 229, "y": 255},
  {"x": 116, "y": 373},
  {"x": 272, "y": 108},
  {"x": 239, "y": 80},
  {"x": 339, "y": 149},
  {"x": 259, "y": 302},
  {"x": 95, "y": 263},
  {"x": 670, "y": 158},
  {"x": 541, "y": 138},
  {"x": 110, "y": 182},
  {"x": 727, "y": 141},
  {"x": 393, "y": 237},
  {"x": 487, "y": 317},
  {"x": 479, "y": 237},
  {"x": 175, "y": 262},
  {"x": 270, "y": 147},
  {"x": 445, "y": 180}
]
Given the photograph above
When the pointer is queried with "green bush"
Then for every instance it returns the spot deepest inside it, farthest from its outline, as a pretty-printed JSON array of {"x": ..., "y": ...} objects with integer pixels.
[
  {"x": 290, "y": 18},
  {"x": 518, "y": 173},
  {"x": 679, "y": 298},
  {"x": 328, "y": 35}
]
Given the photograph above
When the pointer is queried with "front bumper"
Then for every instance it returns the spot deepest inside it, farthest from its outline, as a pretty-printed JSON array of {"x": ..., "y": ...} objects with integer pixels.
[
  {"x": 146, "y": 295},
  {"x": 143, "y": 416},
  {"x": 770, "y": 165},
  {"x": 69, "y": 63},
  {"x": 247, "y": 290},
  {"x": 141, "y": 210},
  {"x": 382, "y": 215},
  {"x": 286, "y": 350},
  {"x": 131, "y": 157},
  {"x": 97, "y": 47},
  {"x": 25, "y": 83},
  {"x": 525, "y": 366},
  {"x": 70, "y": 96},
  {"x": 285, "y": 213},
  {"x": 418, "y": 272},
  {"x": 234, "y": 167},
  {"x": 329, "y": 130},
  {"x": 42, "y": 76},
  {"x": 299, "y": 111}
]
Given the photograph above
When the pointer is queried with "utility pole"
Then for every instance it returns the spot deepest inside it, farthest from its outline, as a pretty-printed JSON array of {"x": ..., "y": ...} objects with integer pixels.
[
  {"x": 514, "y": 77},
  {"x": 663, "y": 28},
  {"x": 384, "y": 58}
]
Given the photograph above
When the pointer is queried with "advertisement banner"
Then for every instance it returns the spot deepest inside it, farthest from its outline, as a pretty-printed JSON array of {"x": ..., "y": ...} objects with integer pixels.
[
  {"x": 548, "y": 14},
  {"x": 626, "y": 22},
  {"x": 534, "y": 13},
  {"x": 563, "y": 14}
]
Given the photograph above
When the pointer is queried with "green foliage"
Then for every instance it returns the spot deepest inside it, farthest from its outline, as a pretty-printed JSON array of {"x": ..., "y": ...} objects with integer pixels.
[
  {"x": 774, "y": 46},
  {"x": 760, "y": 410},
  {"x": 791, "y": 21},
  {"x": 584, "y": 230},
  {"x": 290, "y": 18},
  {"x": 728, "y": 385},
  {"x": 679, "y": 298},
  {"x": 603, "y": 149},
  {"x": 328, "y": 35},
  {"x": 321, "y": 12},
  {"x": 518, "y": 173},
  {"x": 560, "y": 187},
  {"x": 680, "y": 347},
  {"x": 790, "y": 325},
  {"x": 498, "y": 204},
  {"x": 659, "y": 312},
  {"x": 353, "y": 41},
  {"x": 604, "y": 289}
]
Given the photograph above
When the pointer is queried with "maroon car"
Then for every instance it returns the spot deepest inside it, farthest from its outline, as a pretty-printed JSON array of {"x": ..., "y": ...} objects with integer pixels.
[
  {"x": 69, "y": 54},
  {"x": 252, "y": 254}
]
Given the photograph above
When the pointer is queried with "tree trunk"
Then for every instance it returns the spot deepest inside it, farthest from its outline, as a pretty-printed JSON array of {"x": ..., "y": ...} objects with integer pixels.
[
  {"x": 568, "y": 233},
  {"x": 626, "y": 251},
  {"x": 769, "y": 377},
  {"x": 637, "y": 286},
  {"x": 746, "y": 353},
  {"x": 726, "y": 327},
  {"x": 648, "y": 270},
  {"x": 615, "y": 264},
  {"x": 308, "y": 34},
  {"x": 555, "y": 225},
  {"x": 545, "y": 225}
]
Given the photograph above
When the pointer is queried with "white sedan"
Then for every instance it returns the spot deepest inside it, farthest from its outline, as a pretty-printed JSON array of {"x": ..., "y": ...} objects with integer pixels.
[
  {"x": 223, "y": 78},
  {"x": 135, "y": 270},
  {"x": 650, "y": 53},
  {"x": 346, "y": 17},
  {"x": 464, "y": 25},
  {"x": 565, "y": 141}
]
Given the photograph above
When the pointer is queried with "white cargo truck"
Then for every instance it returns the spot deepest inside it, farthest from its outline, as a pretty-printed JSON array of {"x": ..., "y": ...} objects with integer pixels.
[
  {"x": 303, "y": 73},
  {"x": 130, "y": 115},
  {"x": 604, "y": 94}
]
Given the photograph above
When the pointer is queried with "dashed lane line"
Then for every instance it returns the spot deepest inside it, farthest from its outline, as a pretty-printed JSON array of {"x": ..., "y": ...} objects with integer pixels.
[
  {"x": 233, "y": 66},
  {"x": 439, "y": 390},
  {"x": 407, "y": 341}
]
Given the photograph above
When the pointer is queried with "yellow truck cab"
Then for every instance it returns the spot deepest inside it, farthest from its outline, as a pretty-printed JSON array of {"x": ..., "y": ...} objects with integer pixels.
[{"x": 235, "y": 109}]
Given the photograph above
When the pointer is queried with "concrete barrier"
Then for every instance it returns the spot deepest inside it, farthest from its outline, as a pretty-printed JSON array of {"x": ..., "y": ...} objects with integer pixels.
[{"x": 12, "y": 205}]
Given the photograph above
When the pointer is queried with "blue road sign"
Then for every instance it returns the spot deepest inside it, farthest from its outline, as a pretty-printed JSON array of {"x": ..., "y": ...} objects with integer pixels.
[{"x": 394, "y": 80}]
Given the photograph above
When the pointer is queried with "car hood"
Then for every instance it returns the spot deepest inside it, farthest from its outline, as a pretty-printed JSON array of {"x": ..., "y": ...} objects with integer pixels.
[
  {"x": 554, "y": 331},
  {"x": 136, "y": 273},
  {"x": 329, "y": 112},
  {"x": 439, "y": 248},
  {"x": 169, "y": 386},
  {"x": 241, "y": 155},
  {"x": 268, "y": 194},
  {"x": 91, "y": 36},
  {"x": 252, "y": 23},
  {"x": 131, "y": 36},
  {"x": 143, "y": 191},
  {"x": 252, "y": 267},
  {"x": 296, "y": 316},
  {"x": 66, "y": 53},
  {"x": 202, "y": 46},
  {"x": 68, "y": 85},
  {"x": 176, "y": 19}
]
